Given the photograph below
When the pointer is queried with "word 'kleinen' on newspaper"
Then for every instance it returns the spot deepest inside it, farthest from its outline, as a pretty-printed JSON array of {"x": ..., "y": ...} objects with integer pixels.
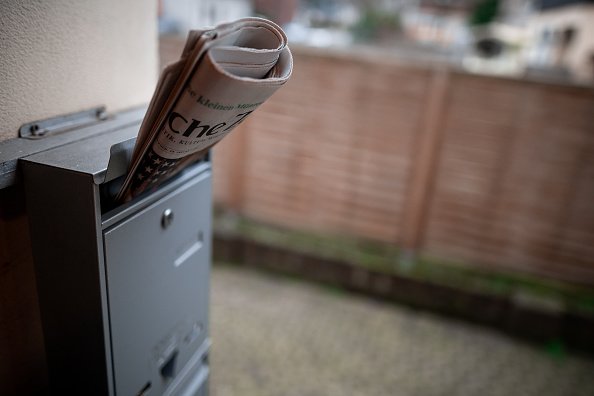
[{"x": 223, "y": 75}]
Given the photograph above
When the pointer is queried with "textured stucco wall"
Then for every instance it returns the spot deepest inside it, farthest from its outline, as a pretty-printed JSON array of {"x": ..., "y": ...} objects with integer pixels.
[
  {"x": 56, "y": 57},
  {"x": 63, "y": 56}
]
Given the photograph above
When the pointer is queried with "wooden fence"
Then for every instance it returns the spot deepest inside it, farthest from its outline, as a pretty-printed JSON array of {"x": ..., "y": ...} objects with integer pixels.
[{"x": 482, "y": 171}]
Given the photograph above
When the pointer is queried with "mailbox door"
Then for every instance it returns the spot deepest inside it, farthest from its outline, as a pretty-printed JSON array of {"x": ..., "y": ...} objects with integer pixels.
[{"x": 158, "y": 269}]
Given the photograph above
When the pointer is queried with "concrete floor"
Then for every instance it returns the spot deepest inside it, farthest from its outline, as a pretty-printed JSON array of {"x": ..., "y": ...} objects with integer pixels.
[{"x": 276, "y": 336}]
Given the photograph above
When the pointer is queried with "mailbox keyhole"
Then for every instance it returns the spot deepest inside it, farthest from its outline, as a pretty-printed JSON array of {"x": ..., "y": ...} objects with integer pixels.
[{"x": 167, "y": 218}]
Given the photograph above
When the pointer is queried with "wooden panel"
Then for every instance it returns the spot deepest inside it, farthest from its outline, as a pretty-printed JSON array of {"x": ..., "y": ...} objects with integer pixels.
[
  {"x": 515, "y": 184},
  {"x": 331, "y": 151},
  {"x": 483, "y": 171}
]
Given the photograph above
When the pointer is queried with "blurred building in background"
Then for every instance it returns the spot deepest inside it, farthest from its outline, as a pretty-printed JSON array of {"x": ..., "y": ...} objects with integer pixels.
[
  {"x": 563, "y": 37},
  {"x": 180, "y": 16},
  {"x": 543, "y": 38}
]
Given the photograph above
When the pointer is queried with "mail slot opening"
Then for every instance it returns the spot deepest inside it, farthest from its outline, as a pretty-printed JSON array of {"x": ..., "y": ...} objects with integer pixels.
[{"x": 110, "y": 189}]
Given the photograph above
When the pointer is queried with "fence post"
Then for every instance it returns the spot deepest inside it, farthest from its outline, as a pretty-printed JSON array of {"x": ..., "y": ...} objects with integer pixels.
[
  {"x": 236, "y": 164},
  {"x": 424, "y": 166}
]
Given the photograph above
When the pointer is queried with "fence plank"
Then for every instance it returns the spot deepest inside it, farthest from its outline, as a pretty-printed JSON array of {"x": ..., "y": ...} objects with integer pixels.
[{"x": 483, "y": 171}]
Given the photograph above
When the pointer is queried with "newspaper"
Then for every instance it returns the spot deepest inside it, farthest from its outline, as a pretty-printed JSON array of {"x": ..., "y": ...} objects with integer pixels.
[{"x": 223, "y": 75}]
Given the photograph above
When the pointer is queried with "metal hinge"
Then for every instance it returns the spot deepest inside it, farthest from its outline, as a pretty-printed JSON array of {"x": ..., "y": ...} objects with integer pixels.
[{"x": 63, "y": 123}]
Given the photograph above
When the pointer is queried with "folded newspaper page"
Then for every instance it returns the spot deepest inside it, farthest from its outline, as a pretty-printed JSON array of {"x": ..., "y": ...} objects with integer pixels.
[{"x": 223, "y": 75}]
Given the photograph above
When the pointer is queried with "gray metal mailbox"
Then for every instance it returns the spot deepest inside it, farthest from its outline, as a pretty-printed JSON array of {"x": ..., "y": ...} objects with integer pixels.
[{"x": 123, "y": 290}]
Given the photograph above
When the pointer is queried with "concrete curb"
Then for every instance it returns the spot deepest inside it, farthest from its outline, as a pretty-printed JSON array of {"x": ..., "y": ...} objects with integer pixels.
[{"x": 512, "y": 315}]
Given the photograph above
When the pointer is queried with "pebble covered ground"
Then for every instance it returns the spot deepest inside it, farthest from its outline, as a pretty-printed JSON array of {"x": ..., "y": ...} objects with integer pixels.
[{"x": 283, "y": 337}]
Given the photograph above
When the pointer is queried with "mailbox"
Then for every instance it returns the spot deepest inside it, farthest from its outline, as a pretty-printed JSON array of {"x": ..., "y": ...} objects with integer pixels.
[{"x": 123, "y": 290}]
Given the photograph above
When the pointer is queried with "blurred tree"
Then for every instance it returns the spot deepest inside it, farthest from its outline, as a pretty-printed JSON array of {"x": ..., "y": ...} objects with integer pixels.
[
  {"x": 484, "y": 12},
  {"x": 374, "y": 25}
]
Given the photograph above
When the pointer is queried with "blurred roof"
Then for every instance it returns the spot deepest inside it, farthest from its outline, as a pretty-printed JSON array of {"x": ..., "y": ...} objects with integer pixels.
[
  {"x": 550, "y": 4},
  {"x": 449, "y": 5}
]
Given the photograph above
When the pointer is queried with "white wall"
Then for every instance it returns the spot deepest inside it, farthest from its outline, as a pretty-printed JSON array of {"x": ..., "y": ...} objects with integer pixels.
[
  {"x": 62, "y": 56},
  {"x": 581, "y": 17}
]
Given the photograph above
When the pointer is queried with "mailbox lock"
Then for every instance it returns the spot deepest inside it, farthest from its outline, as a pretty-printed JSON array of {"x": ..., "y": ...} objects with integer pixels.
[{"x": 167, "y": 218}]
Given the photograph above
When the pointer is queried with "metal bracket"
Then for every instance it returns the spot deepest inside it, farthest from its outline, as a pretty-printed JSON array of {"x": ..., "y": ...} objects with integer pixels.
[{"x": 63, "y": 123}]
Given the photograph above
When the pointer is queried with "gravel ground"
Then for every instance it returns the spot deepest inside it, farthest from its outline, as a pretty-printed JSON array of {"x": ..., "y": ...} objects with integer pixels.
[{"x": 277, "y": 336}]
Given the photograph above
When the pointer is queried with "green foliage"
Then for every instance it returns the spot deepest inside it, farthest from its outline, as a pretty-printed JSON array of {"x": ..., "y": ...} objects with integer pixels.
[
  {"x": 556, "y": 350},
  {"x": 373, "y": 23},
  {"x": 484, "y": 12}
]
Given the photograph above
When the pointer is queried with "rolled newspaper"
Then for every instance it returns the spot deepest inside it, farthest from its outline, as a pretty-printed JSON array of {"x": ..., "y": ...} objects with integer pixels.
[{"x": 223, "y": 75}]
